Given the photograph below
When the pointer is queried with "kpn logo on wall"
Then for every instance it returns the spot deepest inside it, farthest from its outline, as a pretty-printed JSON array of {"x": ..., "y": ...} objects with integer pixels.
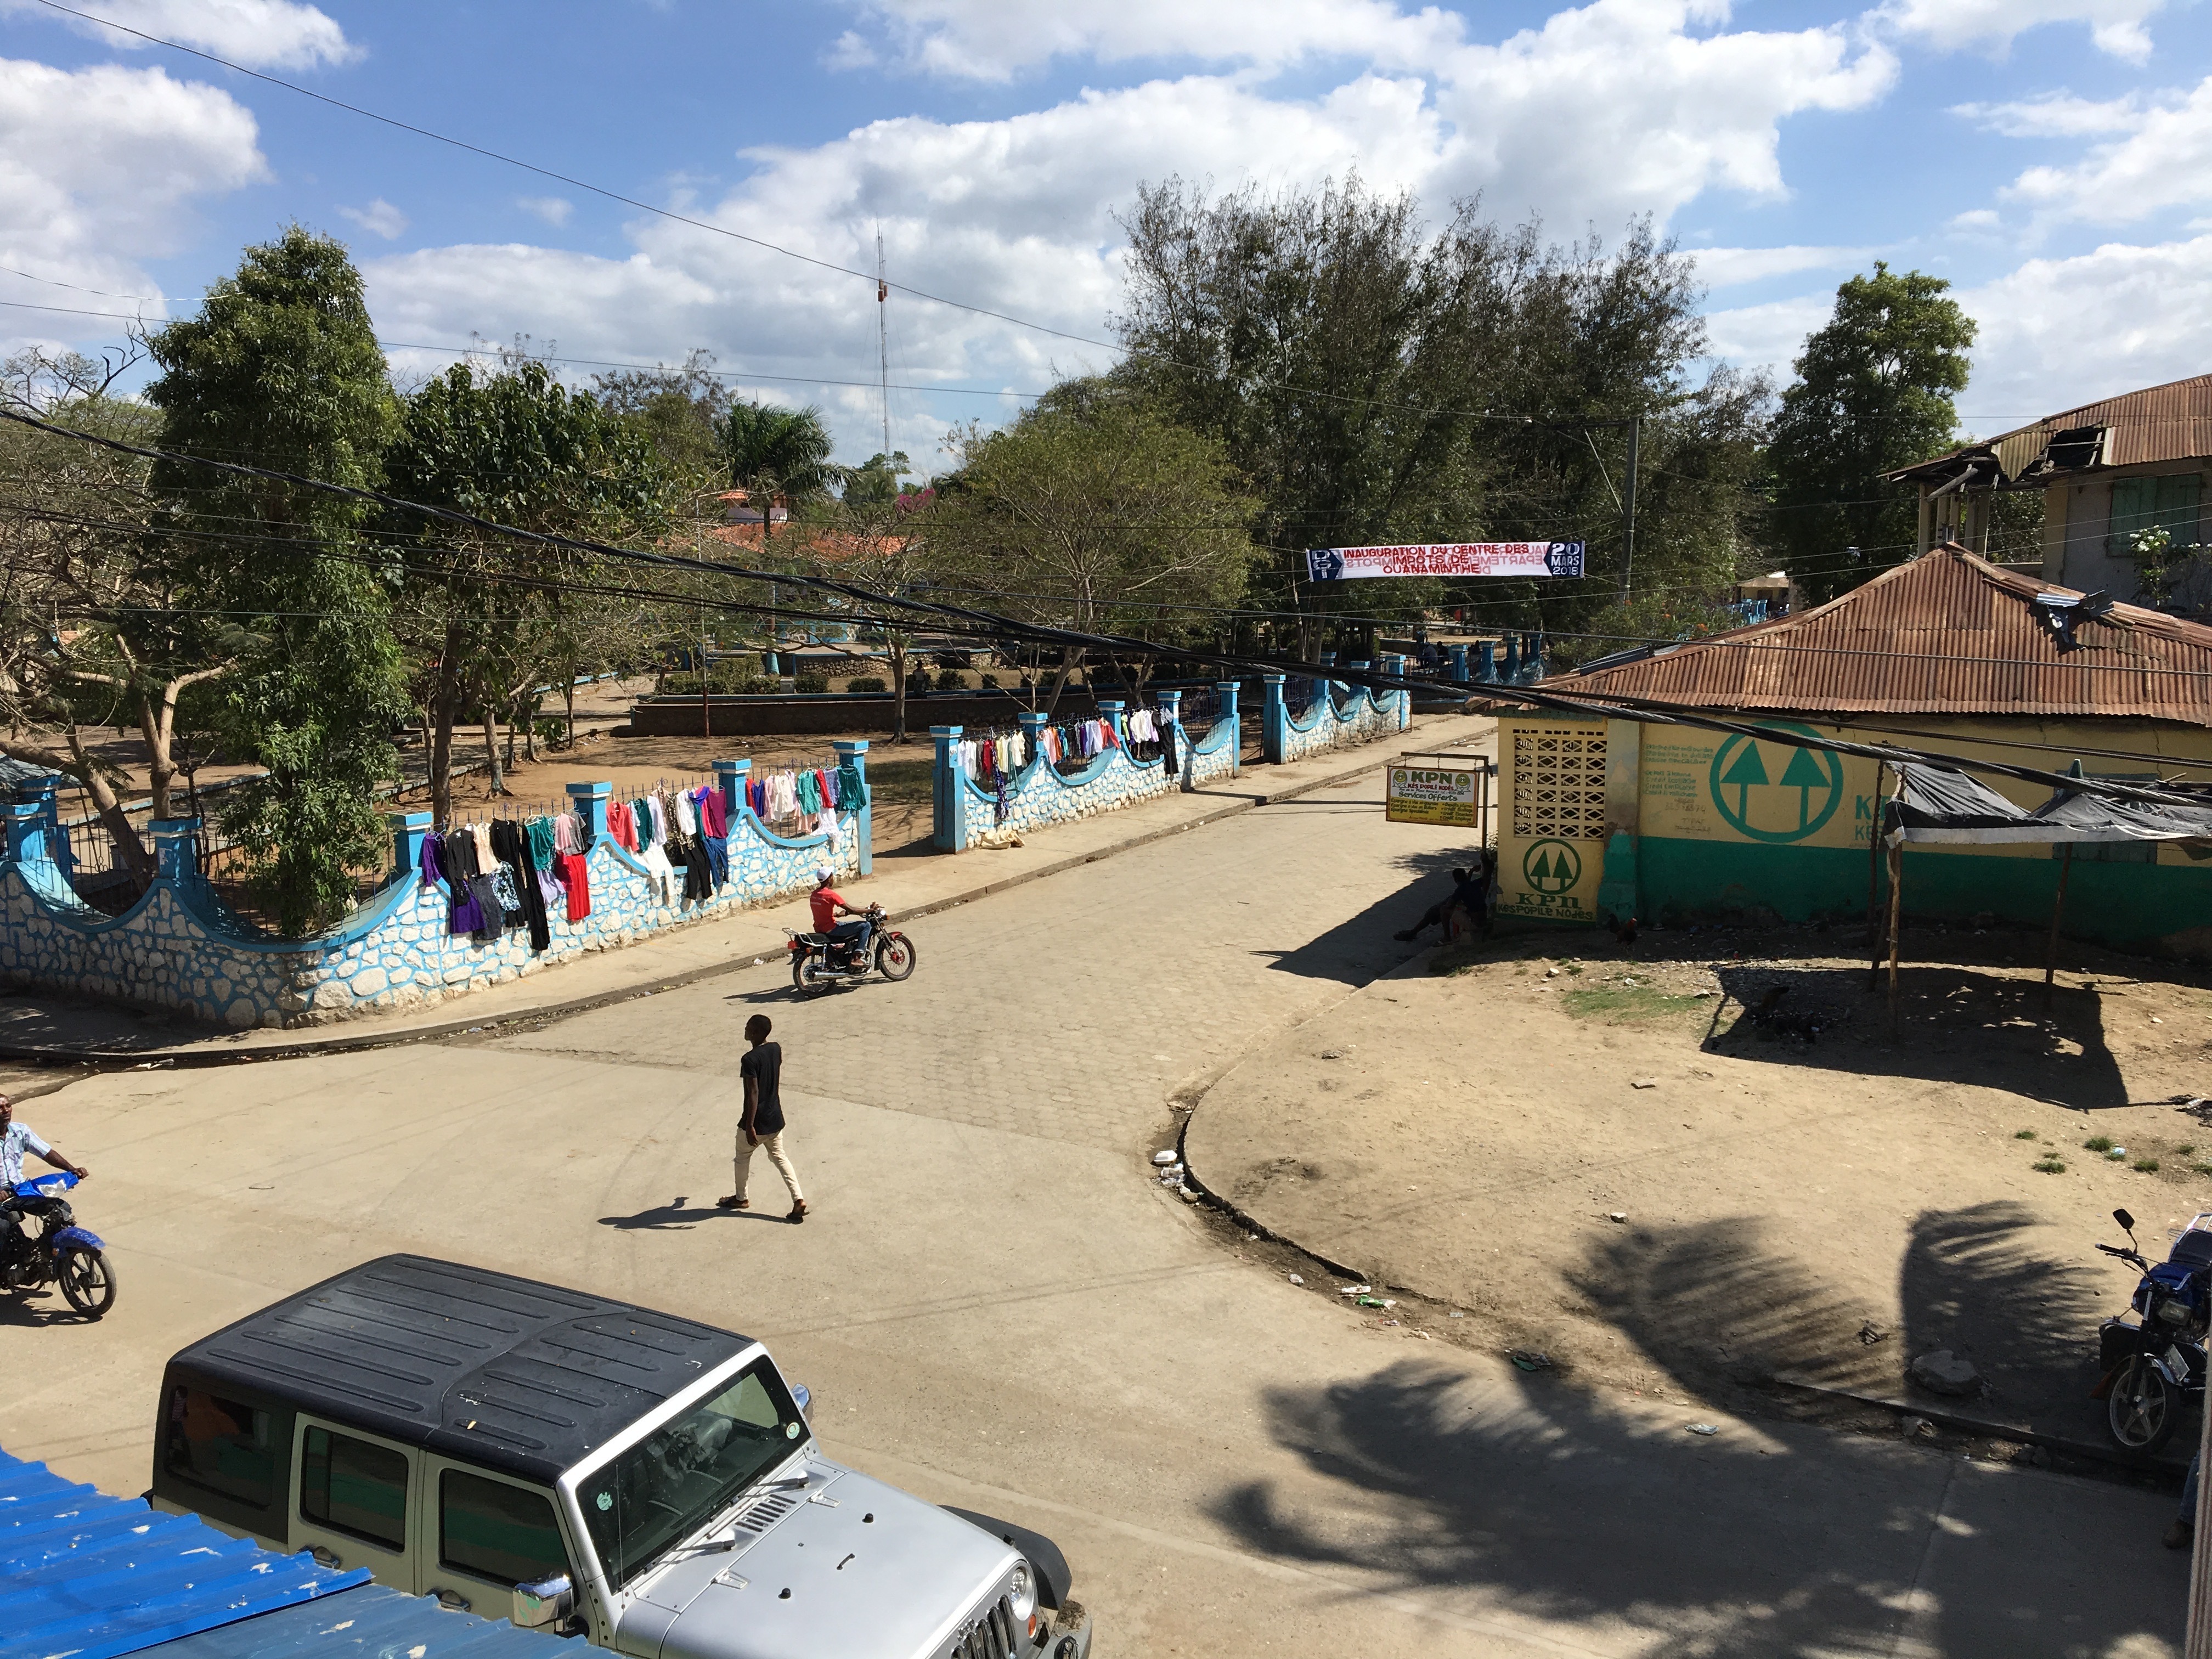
[
  {"x": 1551, "y": 866},
  {"x": 1776, "y": 791}
]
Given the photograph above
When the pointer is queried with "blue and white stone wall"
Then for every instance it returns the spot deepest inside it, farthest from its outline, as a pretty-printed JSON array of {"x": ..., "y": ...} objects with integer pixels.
[
  {"x": 1038, "y": 796},
  {"x": 180, "y": 947},
  {"x": 1340, "y": 717}
]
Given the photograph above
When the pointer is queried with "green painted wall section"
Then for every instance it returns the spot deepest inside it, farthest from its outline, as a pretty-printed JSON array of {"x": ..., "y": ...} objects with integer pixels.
[{"x": 2129, "y": 906}]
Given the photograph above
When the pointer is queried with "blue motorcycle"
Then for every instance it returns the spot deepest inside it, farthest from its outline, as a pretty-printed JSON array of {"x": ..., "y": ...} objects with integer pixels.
[
  {"x": 2154, "y": 1369},
  {"x": 47, "y": 1247}
]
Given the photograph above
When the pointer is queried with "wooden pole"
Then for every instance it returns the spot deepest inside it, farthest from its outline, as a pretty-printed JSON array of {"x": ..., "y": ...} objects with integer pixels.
[
  {"x": 1896, "y": 912},
  {"x": 2057, "y": 909},
  {"x": 2196, "y": 1643},
  {"x": 1874, "y": 881}
]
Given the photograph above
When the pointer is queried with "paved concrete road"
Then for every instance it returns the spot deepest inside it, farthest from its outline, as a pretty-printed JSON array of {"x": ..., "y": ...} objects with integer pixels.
[{"x": 997, "y": 1307}]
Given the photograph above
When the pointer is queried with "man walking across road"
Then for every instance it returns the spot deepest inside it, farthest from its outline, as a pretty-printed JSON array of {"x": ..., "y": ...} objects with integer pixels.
[{"x": 761, "y": 1126}]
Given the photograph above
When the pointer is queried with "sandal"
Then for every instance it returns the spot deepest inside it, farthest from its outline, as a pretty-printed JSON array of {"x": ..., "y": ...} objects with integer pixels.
[{"x": 732, "y": 1202}]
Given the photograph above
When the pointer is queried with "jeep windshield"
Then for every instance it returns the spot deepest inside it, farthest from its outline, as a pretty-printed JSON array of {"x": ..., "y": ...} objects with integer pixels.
[{"x": 645, "y": 1500}]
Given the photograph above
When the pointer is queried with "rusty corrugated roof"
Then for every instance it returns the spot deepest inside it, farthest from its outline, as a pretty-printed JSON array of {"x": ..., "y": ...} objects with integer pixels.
[
  {"x": 1948, "y": 634},
  {"x": 2169, "y": 422}
]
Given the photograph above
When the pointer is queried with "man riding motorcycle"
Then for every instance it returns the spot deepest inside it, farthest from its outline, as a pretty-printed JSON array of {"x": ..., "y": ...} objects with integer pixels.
[
  {"x": 827, "y": 904},
  {"x": 17, "y": 1139}
]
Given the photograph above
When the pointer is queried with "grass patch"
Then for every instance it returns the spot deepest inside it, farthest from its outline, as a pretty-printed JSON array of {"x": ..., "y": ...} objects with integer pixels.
[
  {"x": 2185, "y": 1149},
  {"x": 2201, "y": 1168},
  {"x": 900, "y": 782},
  {"x": 2023, "y": 1134},
  {"x": 2098, "y": 1144},
  {"x": 2051, "y": 1164},
  {"x": 1628, "y": 1002},
  {"x": 2147, "y": 1165}
]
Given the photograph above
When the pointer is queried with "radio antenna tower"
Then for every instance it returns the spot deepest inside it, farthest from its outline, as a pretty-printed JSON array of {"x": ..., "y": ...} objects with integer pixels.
[{"x": 882, "y": 340}]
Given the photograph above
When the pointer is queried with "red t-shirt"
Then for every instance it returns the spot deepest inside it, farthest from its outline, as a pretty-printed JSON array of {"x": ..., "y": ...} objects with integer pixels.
[{"x": 825, "y": 901}]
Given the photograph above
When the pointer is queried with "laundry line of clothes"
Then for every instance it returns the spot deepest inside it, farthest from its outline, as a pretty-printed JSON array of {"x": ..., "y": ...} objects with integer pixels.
[
  {"x": 806, "y": 799},
  {"x": 510, "y": 874},
  {"x": 994, "y": 757},
  {"x": 680, "y": 833}
]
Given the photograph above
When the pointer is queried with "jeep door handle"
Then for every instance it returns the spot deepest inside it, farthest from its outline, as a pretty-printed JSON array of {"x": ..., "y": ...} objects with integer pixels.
[
  {"x": 451, "y": 1600},
  {"x": 327, "y": 1559}
]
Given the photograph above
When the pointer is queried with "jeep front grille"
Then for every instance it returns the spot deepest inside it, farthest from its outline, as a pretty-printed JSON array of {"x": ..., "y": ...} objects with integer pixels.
[{"x": 992, "y": 1637}]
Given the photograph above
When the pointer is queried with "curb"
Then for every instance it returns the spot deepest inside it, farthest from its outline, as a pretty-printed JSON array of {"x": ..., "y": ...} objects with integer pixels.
[
  {"x": 142, "y": 1059},
  {"x": 2094, "y": 1451}
]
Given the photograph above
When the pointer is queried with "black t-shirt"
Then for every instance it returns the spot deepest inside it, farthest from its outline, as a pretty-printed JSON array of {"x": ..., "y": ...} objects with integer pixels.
[{"x": 765, "y": 1066}]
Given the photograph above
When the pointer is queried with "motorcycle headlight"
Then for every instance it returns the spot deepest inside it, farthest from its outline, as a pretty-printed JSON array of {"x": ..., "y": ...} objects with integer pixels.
[
  {"x": 1022, "y": 1592},
  {"x": 2171, "y": 1310}
]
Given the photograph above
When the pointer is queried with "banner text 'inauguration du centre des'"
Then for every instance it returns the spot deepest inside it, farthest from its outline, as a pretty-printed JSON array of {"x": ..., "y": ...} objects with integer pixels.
[{"x": 1333, "y": 564}]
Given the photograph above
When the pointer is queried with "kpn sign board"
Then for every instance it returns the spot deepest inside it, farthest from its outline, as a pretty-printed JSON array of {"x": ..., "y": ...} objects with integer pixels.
[{"x": 1423, "y": 791}]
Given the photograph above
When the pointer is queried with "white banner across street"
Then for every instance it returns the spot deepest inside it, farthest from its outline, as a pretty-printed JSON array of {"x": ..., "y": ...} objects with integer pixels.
[{"x": 1331, "y": 564}]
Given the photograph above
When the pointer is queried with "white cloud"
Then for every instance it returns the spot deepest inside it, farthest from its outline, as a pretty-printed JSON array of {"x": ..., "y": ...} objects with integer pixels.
[
  {"x": 379, "y": 218},
  {"x": 1770, "y": 336},
  {"x": 553, "y": 209},
  {"x": 995, "y": 39},
  {"x": 99, "y": 169},
  {"x": 1732, "y": 267},
  {"x": 2059, "y": 332},
  {"x": 2165, "y": 161},
  {"x": 258, "y": 33},
  {"x": 2056, "y": 115},
  {"x": 2115, "y": 26}
]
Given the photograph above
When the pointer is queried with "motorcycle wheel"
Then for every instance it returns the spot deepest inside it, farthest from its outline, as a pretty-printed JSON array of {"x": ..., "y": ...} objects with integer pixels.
[
  {"x": 894, "y": 956},
  {"x": 87, "y": 1280},
  {"x": 2143, "y": 1409},
  {"x": 803, "y": 978}
]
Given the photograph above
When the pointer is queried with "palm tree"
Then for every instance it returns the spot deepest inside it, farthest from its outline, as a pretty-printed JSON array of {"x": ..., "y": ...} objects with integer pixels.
[{"x": 783, "y": 451}]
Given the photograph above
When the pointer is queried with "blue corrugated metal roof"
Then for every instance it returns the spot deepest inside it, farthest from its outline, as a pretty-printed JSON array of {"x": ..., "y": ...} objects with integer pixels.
[
  {"x": 372, "y": 1622},
  {"x": 84, "y": 1576}
]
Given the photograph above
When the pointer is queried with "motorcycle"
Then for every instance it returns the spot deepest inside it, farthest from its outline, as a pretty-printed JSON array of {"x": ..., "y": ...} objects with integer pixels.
[
  {"x": 59, "y": 1251},
  {"x": 2154, "y": 1369},
  {"x": 818, "y": 963}
]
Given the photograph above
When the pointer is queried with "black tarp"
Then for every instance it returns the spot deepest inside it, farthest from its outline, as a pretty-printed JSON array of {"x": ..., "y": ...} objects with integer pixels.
[{"x": 1933, "y": 807}]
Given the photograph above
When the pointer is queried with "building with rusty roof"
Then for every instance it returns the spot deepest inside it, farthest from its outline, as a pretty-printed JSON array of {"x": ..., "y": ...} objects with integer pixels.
[
  {"x": 2106, "y": 470},
  {"x": 1611, "y": 817}
]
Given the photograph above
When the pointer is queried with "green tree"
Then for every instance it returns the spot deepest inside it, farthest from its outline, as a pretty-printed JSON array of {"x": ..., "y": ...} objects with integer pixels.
[
  {"x": 282, "y": 369},
  {"x": 1095, "y": 513},
  {"x": 875, "y": 482},
  {"x": 780, "y": 452},
  {"x": 679, "y": 412},
  {"x": 519, "y": 448},
  {"x": 1376, "y": 382},
  {"x": 1873, "y": 391}
]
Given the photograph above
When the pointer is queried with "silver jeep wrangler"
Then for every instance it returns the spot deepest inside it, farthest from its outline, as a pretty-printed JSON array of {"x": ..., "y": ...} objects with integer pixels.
[{"x": 584, "y": 1466}]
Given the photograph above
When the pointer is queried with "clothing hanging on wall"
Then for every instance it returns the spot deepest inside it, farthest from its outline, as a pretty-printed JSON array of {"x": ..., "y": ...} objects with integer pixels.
[
  {"x": 576, "y": 879},
  {"x": 513, "y": 843}
]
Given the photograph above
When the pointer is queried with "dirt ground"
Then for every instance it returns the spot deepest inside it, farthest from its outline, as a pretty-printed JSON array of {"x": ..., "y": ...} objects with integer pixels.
[{"x": 1600, "y": 1155}]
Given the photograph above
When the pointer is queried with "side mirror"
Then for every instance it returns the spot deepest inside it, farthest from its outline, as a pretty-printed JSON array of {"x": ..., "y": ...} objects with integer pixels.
[
  {"x": 2127, "y": 1222},
  {"x": 803, "y": 1395},
  {"x": 547, "y": 1601}
]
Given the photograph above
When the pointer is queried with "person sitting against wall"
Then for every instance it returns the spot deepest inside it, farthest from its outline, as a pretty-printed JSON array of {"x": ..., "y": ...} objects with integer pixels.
[{"x": 1465, "y": 909}]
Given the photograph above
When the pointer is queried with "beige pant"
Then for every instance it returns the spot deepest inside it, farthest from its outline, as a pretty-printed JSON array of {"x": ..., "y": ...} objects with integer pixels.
[{"x": 773, "y": 1145}]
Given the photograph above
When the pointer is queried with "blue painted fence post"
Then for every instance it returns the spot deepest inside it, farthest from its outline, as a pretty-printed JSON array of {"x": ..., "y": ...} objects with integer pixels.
[
  {"x": 26, "y": 832},
  {"x": 1486, "y": 662},
  {"x": 1111, "y": 709},
  {"x": 1274, "y": 720},
  {"x": 1511, "y": 672},
  {"x": 408, "y": 830},
  {"x": 948, "y": 801},
  {"x": 1171, "y": 720},
  {"x": 57, "y": 844},
  {"x": 854, "y": 754},
  {"x": 733, "y": 775},
  {"x": 1224, "y": 698},
  {"x": 1033, "y": 726},
  {"x": 589, "y": 802},
  {"x": 1458, "y": 655},
  {"x": 172, "y": 840}
]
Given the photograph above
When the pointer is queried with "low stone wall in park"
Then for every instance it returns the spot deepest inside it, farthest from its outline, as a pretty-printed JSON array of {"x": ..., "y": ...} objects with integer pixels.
[
  {"x": 965, "y": 814},
  {"x": 1341, "y": 716},
  {"x": 180, "y": 947}
]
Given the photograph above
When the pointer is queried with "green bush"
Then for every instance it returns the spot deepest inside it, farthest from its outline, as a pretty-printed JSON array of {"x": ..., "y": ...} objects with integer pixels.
[
  {"x": 867, "y": 683},
  {"x": 724, "y": 681},
  {"x": 811, "y": 685},
  {"x": 990, "y": 682},
  {"x": 950, "y": 680}
]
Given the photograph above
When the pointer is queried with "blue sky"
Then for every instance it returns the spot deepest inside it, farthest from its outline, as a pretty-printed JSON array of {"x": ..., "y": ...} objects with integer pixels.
[{"x": 2053, "y": 158}]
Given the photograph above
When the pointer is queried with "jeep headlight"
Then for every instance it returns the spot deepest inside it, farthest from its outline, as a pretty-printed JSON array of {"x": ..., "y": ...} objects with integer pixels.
[{"x": 1022, "y": 1592}]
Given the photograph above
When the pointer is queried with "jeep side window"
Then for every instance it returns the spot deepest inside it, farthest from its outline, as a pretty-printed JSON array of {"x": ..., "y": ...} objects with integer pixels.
[
  {"x": 353, "y": 1486},
  {"x": 220, "y": 1446},
  {"x": 496, "y": 1531}
]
